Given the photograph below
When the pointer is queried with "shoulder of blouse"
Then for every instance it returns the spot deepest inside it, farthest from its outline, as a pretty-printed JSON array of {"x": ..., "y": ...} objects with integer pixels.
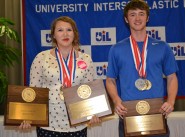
[
  {"x": 41, "y": 55},
  {"x": 83, "y": 55}
]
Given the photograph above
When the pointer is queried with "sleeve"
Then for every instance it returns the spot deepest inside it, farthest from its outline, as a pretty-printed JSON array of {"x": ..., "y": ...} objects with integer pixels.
[
  {"x": 112, "y": 70},
  {"x": 36, "y": 71},
  {"x": 170, "y": 64}
]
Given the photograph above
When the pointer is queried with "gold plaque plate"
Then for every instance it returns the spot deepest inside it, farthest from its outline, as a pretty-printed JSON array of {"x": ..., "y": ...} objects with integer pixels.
[
  {"x": 144, "y": 123},
  {"x": 85, "y": 100},
  {"x": 27, "y": 111},
  {"x": 88, "y": 107},
  {"x": 27, "y": 103},
  {"x": 143, "y": 118}
]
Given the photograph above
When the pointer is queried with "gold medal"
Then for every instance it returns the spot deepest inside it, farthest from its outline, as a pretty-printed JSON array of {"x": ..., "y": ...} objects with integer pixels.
[
  {"x": 149, "y": 85},
  {"x": 28, "y": 94},
  {"x": 142, "y": 107},
  {"x": 141, "y": 84},
  {"x": 84, "y": 91},
  {"x": 61, "y": 93}
]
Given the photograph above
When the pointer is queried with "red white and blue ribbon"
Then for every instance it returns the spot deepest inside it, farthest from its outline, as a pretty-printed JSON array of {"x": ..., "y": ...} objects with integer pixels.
[
  {"x": 67, "y": 67},
  {"x": 139, "y": 57}
]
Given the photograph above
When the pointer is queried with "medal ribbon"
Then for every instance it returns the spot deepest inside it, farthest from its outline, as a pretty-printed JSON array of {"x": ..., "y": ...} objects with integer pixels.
[
  {"x": 67, "y": 67},
  {"x": 139, "y": 57}
]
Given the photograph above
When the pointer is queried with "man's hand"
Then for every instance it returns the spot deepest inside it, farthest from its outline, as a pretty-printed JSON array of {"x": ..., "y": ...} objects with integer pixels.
[
  {"x": 120, "y": 109},
  {"x": 166, "y": 108}
]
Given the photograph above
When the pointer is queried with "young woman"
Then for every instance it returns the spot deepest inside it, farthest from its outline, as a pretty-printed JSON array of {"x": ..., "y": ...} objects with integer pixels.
[{"x": 61, "y": 67}]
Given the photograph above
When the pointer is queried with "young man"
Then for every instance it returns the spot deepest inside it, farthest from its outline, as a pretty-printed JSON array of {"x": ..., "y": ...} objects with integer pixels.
[{"x": 140, "y": 59}]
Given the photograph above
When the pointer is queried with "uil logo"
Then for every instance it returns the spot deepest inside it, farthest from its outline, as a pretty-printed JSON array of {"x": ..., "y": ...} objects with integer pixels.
[
  {"x": 157, "y": 32},
  {"x": 154, "y": 34},
  {"x": 101, "y": 70},
  {"x": 46, "y": 38},
  {"x": 102, "y": 36},
  {"x": 178, "y": 50}
]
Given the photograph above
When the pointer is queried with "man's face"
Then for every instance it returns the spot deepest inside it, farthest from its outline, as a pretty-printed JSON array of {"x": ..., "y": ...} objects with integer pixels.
[{"x": 137, "y": 19}]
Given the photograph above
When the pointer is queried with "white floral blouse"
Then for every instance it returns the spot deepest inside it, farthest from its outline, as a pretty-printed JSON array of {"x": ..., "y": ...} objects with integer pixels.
[{"x": 45, "y": 72}]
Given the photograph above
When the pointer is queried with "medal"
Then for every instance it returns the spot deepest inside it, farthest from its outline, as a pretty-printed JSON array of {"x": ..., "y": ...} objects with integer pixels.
[
  {"x": 61, "y": 93},
  {"x": 149, "y": 85},
  {"x": 141, "y": 84}
]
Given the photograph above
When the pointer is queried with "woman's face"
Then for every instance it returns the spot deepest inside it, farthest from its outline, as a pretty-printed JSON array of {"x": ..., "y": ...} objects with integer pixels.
[
  {"x": 63, "y": 34},
  {"x": 137, "y": 19}
]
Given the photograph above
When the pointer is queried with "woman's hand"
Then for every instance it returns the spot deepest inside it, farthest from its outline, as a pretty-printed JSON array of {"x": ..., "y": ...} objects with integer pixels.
[
  {"x": 94, "y": 121},
  {"x": 25, "y": 125}
]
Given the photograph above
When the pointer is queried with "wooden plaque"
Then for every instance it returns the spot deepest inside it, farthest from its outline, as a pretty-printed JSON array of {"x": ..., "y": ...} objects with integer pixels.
[
  {"x": 85, "y": 100},
  {"x": 143, "y": 118},
  {"x": 27, "y": 103}
]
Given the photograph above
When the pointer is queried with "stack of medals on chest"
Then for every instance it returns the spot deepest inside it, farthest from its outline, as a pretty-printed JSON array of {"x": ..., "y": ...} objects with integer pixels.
[
  {"x": 143, "y": 84},
  {"x": 140, "y": 63}
]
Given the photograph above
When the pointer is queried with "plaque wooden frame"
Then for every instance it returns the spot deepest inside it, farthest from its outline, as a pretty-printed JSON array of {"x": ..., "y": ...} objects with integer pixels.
[
  {"x": 36, "y": 112},
  {"x": 145, "y": 126},
  {"x": 81, "y": 110}
]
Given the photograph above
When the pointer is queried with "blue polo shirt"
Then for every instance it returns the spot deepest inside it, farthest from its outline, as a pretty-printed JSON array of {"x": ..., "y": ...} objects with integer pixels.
[{"x": 160, "y": 60}]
